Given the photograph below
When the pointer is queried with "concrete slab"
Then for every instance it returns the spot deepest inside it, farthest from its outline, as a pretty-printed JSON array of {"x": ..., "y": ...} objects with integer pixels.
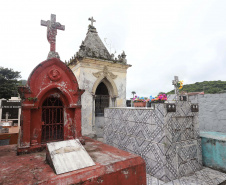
[
  {"x": 66, "y": 156},
  {"x": 113, "y": 167}
]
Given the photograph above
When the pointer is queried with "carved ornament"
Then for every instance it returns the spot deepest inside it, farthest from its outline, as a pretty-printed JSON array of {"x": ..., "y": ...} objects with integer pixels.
[
  {"x": 54, "y": 75},
  {"x": 105, "y": 73}
]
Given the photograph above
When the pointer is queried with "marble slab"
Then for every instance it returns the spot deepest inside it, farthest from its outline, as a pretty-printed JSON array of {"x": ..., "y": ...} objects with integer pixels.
[{"x": 66, "y": 156}]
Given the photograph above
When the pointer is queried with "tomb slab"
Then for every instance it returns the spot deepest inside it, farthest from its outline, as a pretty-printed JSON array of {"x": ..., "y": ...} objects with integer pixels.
[{"x": 113, "y": 166}]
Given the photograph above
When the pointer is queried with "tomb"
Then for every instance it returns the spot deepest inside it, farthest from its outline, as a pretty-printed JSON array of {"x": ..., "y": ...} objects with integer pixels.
[
  {"x": 102, "y": 76},
  {"x": 166, "y": 136},
  {"x": 51, "y": 101},
  {"x": 112, "y": 166},
  {"x": 10, "y": 111}
]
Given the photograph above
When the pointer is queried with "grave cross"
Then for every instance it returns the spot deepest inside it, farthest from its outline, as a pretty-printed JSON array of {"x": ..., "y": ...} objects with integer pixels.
[
  {"x": 7, "y": 116},
  {"x": 175, "y": 81},
  {"x": 92, "y": 20},
  {"x": 52, "y": 27}
]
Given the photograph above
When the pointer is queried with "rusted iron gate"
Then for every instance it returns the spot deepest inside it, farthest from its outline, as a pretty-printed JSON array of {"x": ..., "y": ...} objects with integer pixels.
[
  {"x": 52, "y": 120},
  {"x": 101, "y": 102}
]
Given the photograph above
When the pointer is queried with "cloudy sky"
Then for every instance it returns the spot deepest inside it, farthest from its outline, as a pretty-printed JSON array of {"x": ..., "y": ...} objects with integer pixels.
[{"x": 162, "y": 38}]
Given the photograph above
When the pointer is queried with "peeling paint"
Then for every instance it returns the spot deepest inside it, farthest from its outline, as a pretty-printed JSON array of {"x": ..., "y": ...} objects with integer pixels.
[
  {"x": 126, "y": 173},
  {"x": 84, "y": 70},
  {"x": 50, "y": 78}
]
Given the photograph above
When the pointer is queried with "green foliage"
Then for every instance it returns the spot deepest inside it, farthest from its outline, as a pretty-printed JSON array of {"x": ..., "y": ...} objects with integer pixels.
[
  {"x": 161, "y": 93},
  {"x": 8, "y": 82},
  {"x": 209, "y": 87}
]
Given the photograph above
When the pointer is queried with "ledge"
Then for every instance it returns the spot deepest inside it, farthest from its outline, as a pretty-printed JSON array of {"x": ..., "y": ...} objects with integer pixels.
[
  {"x": 133, "y": 108},
  {"x": 213, "y": 135}
]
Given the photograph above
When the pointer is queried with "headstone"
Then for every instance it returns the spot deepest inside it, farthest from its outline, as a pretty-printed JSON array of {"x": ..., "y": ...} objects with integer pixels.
[
  {"x": 10, "y": 111},
  {"x": 66, "y": 156}
]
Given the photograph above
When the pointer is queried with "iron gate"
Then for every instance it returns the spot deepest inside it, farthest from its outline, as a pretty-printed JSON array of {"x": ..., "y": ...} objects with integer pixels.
[
  {"x": 101, "y": 102},
  {"x": 52, "y": 120}
]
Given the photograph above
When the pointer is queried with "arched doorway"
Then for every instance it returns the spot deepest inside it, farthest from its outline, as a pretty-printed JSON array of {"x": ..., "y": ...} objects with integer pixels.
[
  {"x": 52, "y": 120},
  {"x": 102, "y": 99}
]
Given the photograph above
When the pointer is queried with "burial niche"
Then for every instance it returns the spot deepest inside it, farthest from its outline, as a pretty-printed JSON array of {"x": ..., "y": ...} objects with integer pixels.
[
  {"x": 52, "y": 120},
  {"x": 102, "y": 99}
]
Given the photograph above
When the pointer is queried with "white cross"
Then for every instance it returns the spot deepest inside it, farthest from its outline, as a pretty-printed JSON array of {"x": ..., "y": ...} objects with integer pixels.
[{"x": 175, "y": 81}]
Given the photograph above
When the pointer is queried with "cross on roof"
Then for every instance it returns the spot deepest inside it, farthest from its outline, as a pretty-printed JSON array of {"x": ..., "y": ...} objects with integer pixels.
[
  {"x": 52, "y": 27},
  {"x": 92, "y": 20},
  {"x": 175, "y": 81}
]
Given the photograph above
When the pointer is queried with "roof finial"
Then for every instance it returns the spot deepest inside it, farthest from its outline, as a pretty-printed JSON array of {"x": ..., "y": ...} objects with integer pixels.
[{"x": 92, "y": 20}]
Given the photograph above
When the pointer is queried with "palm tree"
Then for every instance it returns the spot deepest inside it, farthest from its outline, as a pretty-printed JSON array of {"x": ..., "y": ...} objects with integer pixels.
[{"x": 133, "y": 92}]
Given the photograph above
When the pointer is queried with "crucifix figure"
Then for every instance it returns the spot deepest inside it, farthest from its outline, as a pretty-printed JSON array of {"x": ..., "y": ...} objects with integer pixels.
[
  {"x": 92, "y": 20},
  {"x": 52, "y": 27},
  {"x": 175, "y": 81}
]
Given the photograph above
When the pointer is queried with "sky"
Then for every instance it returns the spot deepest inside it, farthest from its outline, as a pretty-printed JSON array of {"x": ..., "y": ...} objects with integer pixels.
[{"x": 161, "y": 38}]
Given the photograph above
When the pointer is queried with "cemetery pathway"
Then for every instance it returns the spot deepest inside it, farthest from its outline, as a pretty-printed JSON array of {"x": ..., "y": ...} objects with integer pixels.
[{"x": 206, "y": 176}]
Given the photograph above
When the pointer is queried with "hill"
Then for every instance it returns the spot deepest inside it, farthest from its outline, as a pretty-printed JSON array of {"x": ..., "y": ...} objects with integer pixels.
[{"x": 209, "y": 87}]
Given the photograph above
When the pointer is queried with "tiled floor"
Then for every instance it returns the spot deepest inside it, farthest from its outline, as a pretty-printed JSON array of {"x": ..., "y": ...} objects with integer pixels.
[{"x": 206, "y": 176}]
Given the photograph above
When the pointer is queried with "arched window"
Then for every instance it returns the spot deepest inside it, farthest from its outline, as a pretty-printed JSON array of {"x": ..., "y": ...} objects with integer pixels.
[
  {"x": 52, "y": 120},
  {"x": 101, "y": 99}
]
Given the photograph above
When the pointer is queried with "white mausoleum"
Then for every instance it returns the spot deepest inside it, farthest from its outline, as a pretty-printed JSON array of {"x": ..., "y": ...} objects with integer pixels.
[{"x": 102, "y": 76}]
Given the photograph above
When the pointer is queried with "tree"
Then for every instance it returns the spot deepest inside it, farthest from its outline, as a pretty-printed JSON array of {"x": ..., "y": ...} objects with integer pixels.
[
  {"x": 8, "y": 82},
  {"x": 161, "y": 93},
  {"x": 133, "y": 92}
]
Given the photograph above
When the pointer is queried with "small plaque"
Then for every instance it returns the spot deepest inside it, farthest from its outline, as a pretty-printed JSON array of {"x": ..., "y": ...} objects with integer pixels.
[
  {"x": 194, "y": 108},
  {"x": 171, "y": 107},
  {"x": 66, "y": 156}
]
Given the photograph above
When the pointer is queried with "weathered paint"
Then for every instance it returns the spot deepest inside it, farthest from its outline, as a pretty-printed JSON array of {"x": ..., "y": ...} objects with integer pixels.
[
  {"x": 50, "y": 78},
  {"x": 214, "y": 150},
  {"x": 90, "y": 72},
  {"x": 113, "y": 167}
]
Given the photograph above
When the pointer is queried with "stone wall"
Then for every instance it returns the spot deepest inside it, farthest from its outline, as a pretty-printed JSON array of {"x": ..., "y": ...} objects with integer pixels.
[
  {"x": 169, "y": 142},
  {"x": 212, "y": 111}
]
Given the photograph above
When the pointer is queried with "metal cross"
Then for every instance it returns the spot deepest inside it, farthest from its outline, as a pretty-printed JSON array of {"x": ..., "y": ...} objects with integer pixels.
[
  {"x": 175, "y": 81},
  {"x": 52, "y": 27},
  {"x": 92, "y": 20}
]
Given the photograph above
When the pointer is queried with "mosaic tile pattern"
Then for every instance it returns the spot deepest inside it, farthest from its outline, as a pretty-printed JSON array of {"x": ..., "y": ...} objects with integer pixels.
[
  {"x": 168, "y": 141},
  {"x": 206, "y": 176}
]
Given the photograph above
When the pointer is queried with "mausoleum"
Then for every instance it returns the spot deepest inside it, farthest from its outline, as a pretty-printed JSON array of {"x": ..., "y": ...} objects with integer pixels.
[
  {"x": 102, "y": 76},
  {"x": 51, "y": 100}
]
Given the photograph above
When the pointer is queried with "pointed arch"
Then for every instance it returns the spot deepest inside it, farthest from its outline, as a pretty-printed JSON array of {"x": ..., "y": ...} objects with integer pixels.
[{"x": 110, "y": 84}]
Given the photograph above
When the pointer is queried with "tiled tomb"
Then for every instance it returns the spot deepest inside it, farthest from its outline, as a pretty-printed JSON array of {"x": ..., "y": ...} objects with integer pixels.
[{"x": 169, "y": 142}]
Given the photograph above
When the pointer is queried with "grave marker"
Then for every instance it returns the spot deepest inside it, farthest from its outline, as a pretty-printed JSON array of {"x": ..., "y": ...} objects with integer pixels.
[{"x": 66, "y": 156}]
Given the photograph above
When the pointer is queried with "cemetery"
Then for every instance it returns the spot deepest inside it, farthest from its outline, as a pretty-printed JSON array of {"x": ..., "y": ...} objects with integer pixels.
[{"x": 71, "y": 125}]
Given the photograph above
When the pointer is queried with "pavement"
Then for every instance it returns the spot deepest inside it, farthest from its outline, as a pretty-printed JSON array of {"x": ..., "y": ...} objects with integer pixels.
[{"x": 206, "y": 176}]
